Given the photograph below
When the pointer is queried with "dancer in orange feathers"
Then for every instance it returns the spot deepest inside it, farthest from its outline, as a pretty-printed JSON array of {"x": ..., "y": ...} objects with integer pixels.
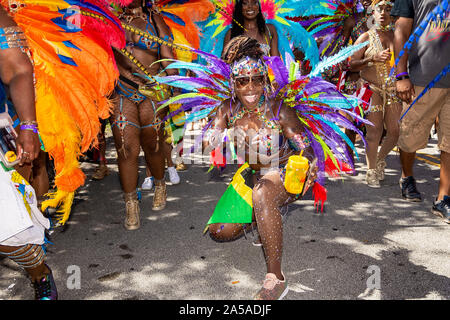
[{"x": 70, "y": 46}]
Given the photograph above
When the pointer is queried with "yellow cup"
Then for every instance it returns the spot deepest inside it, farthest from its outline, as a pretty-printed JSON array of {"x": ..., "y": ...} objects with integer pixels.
[
  {"x": 10, "y": 156},
  {"x": 296, "y": 170}
]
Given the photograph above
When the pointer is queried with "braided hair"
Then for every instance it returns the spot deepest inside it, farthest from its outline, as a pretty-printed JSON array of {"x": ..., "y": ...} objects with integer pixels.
[{"x": 240, "y": 47}]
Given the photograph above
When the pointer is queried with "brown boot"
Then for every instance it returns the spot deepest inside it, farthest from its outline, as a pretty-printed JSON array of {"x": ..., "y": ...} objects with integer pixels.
[
  {"x": 132, "y": 219},
  {"x": 181, "y": 167},
  {"x": 100, "y": 172},
  {"x": 159, "y": 199}
]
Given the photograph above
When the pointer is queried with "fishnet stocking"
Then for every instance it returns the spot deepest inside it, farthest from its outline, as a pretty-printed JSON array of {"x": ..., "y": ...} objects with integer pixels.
[
  {"x": 269, "y": 195},
  {"x": 128, "y": 148}
]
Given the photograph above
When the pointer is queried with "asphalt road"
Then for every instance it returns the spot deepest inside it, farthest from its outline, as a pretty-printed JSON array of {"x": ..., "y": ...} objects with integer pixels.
[{"x": 363, "y": 236}]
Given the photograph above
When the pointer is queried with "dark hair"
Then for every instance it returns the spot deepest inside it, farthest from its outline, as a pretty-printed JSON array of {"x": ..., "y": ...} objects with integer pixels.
[
  {"x": 241, "y": 46},
  {"x": 236, "y": 30}
]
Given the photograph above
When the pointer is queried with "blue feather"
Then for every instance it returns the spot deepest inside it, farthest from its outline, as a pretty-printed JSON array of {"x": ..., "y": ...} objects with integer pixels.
[{"x": 174, "y": 18}]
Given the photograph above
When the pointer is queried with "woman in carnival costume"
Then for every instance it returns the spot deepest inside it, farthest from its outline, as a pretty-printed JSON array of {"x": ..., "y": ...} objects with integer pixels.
[
  {"x": 374, "y": 64},
  {"x": 274, "y": 133},
  {"x": 22, "y": 225},
  {"x": 264, "y": 20},
  {"x": 136, "y": 122},
  {"x": 249, "y": 21}
]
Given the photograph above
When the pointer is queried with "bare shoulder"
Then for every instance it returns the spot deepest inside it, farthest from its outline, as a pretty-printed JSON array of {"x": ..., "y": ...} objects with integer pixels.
[
  {"x": 272, "y": 28},
  {"x": 160, "y": 23},
  {"x": 285, "y": 113},
  {"x": 5, "y": 19},
  {"x": 225, "y": 108}
]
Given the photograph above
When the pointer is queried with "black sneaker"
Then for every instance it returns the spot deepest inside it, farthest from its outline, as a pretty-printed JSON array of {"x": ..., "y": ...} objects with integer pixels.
[
  {"x": 409, "y": 189},
  {"x": 45, "y": 288},
  {"x": 442, "y": 209}
]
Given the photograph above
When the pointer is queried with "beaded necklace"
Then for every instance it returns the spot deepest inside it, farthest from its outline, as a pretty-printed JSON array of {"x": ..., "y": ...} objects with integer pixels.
[
  {"x": 261, "y": 115},
  {"x": 389, "y": 27}
]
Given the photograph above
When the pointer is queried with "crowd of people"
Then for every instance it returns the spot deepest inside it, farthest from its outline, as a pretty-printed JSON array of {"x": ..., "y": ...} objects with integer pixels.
[{"x": 288, "y": 114}]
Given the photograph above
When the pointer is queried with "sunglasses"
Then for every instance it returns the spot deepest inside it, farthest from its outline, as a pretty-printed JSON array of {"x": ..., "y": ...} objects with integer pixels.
[
  {"x": 245, "y": 81},
  {"x": 382, "y": 8}
]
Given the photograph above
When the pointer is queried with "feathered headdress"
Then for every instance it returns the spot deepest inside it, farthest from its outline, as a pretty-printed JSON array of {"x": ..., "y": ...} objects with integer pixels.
[
  {"x": 276, "y": 12},
  {"x": 325, "y": 20},
  {"x": 70, "y": 44}
]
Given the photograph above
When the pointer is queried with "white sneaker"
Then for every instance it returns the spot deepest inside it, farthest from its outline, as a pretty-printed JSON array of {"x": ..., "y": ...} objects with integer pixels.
[
  {"x": 173, "y": 175},
  {"x": 147, "y": 184}
]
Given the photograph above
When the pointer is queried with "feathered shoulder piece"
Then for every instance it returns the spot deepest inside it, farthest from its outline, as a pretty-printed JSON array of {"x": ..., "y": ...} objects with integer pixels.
[
  {"x": 275, "y": 12},
  {"x": 70, "y": 45}
]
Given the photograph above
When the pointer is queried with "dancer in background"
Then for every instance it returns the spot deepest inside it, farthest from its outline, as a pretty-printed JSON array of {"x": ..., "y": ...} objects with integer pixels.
[{"x": 374, "y": 63}]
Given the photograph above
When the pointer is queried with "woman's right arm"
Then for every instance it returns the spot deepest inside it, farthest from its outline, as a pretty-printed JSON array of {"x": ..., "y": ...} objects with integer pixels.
[{"x": 357, "y": 60}]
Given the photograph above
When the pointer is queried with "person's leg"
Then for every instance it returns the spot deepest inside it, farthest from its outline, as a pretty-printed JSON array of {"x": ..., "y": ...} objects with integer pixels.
[
  {"x": 391, "y": 116},
  {"x": 441, "y": 206},
  {"x": 415, "y": 130},
  {"x": 148, "y": 181},
  {"x": 407, "y": 160},
  {"x": 373, "y": 136},
  {"x": 269, "y": 195},
  {"x": 167, "y": 149},
  {"x": 444, "y": 182},
  {"x": 173, "y": 174},
  {"x": 152, "y": 139},
  {"x": 32, "y": 258},
  {"x": 225, "y": 232},
  {"x": 102, "y": 170},
  {"x": 128, "y": 147}
]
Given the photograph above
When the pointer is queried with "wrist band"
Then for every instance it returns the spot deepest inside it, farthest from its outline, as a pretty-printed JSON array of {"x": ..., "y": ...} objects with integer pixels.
[
  {"x": 28, "y": 122},
  {"x": 402, "y": 74},
  {"x": 29, "y": 127},
  {"x": 402, "y": 78}
]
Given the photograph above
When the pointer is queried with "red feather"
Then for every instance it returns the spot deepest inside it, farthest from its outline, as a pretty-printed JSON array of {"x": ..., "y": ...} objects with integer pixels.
[{"x": 320, "y": 195}]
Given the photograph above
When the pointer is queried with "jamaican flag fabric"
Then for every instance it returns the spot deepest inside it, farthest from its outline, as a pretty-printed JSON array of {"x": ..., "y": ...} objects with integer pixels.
[
  {"x": 175, "y": 125},
  {"x": 235, "y": 206}
]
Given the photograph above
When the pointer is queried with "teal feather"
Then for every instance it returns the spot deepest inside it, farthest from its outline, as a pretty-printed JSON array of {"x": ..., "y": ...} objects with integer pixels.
[
  {"x": 337, "y": 130},
  {"x": 300, "y": 38},
  {"x": 337, "y": 58}
]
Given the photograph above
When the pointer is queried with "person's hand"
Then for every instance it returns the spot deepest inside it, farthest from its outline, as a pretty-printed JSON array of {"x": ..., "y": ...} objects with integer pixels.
[
  {"x": 382, "y": 56},
  {"x": 405, "y": 90},
  {"x": 28, "y": 146}
]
